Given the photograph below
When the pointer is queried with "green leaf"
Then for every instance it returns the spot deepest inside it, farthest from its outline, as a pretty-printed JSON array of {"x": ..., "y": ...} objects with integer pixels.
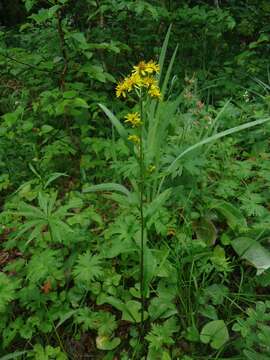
[
  {"x": 45, "y": 129},
  {"x": 53, "y": 177},
  {"x": 79, "y": 102},
  {"x": 205, "y": 231},
  {"x": 149, "y": 270},
  {"x": 8, "y": 288},
  {"x": 105, "y": 343},
  {"x": 107, "y": 187},
  {"x": 131, "y": 312},
  {"x": 233, "y": 216},
  {"x": 119, "y": 127},
  {"x": 253, "y": 252},
  {"x": 29, "y": 4},
  {"x": 158, "y": 202},
  {"x": 14, "y": 355},
  {"x": 162, "y": 334},
  {"x": 168, "y": 73},
  {"x": 215, "y": 333},
  {"x": 88, "y": 268},
  {"x": 164, "y": 49}
]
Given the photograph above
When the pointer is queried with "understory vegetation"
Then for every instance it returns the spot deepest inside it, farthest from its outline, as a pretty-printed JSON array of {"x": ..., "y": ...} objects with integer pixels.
[{"x": 134, "y": 179}]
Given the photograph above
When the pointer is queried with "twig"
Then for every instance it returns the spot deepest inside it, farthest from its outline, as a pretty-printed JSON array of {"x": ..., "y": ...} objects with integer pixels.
[{"x": 29, "y": 65}]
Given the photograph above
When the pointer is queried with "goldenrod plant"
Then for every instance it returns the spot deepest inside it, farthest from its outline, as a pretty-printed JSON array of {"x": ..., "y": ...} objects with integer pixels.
[{"x": 142, "y": 83}]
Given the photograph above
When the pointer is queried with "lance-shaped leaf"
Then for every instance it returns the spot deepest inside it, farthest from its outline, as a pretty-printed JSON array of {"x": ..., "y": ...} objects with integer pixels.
[{"x": 107, "y": 187}]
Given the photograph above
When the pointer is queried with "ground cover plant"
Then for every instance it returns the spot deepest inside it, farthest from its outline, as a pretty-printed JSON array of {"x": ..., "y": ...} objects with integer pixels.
[{"x": 134, "y": 184}]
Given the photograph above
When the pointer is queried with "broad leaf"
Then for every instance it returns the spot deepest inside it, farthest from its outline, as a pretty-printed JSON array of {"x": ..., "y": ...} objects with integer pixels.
[
  {"x": 215, "y": 333},
  {"x": 252, "y": 251}
]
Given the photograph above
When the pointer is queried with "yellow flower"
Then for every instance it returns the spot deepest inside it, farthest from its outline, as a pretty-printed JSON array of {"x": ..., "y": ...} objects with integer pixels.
[
  {"x": 121, "y": 89},
  {"x": 140, "y": 68},
  {"x": 136, "y": 80},
  {"x": 149, "y": 81},
  {"x": 134, "y": 138},
  {"x": 152, "y": 67},
  {"x": 144, "y": 68},
  {"x": 154, "y": 92},
  {"x": 127, "y": 85},
  {"x": 134, "y": 119}
]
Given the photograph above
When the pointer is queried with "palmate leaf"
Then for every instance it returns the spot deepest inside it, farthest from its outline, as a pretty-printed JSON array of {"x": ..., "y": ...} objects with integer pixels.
[
  {"x": 8, "y": 288},
  {"x": 41, "y": 267},
  {"x": 87, "y": 268},
  {"x": 161, "y": 335},
  {"x": 29, "y": 225}
]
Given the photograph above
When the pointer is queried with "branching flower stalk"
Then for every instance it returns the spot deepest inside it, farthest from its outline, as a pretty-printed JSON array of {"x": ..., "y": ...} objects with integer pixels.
[{"x": 143, "y": 83}]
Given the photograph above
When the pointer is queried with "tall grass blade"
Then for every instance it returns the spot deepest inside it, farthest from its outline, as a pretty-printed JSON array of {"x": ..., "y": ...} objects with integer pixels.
[
  {"x": 164, "y": 49},
  {"x": 168, "y": 73},
  {"x": 207, "y": 141},
  {"x": 216, "y": 137}
]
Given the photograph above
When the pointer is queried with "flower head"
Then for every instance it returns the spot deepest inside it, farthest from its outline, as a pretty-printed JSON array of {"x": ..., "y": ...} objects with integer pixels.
[
  {"x": 121, "y": 89},
  {"x": 134, "y": 119},
  {"x": 128, "y": 84},
  {"x": 145, "y": 69},
  {"x": 152, "y": 67},
  {"x": 134, "y": 138},
  {"x": 149, "y": 81},
  {"x": 154, "y": 92}
]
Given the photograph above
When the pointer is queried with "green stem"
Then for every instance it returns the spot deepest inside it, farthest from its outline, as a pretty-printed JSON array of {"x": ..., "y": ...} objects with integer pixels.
[{"x": 141, "y": 161}]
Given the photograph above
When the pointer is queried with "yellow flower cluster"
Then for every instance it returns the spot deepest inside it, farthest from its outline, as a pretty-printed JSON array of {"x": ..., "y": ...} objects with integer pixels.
[
  {"x": 142, "y": 77},
  {"x": 134, "y": 119}
]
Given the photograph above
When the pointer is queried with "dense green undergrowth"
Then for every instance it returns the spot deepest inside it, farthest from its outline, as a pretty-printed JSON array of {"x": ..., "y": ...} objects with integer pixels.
[{"x": 71, "y": 194}]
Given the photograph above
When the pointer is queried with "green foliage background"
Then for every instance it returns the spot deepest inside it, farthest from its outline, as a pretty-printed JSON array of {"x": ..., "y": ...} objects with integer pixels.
[{"x": 69, "y": 280}]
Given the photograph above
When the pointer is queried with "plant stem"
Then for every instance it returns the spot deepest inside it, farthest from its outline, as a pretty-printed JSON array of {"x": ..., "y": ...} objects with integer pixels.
[{"x": 141, "y": 161}]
